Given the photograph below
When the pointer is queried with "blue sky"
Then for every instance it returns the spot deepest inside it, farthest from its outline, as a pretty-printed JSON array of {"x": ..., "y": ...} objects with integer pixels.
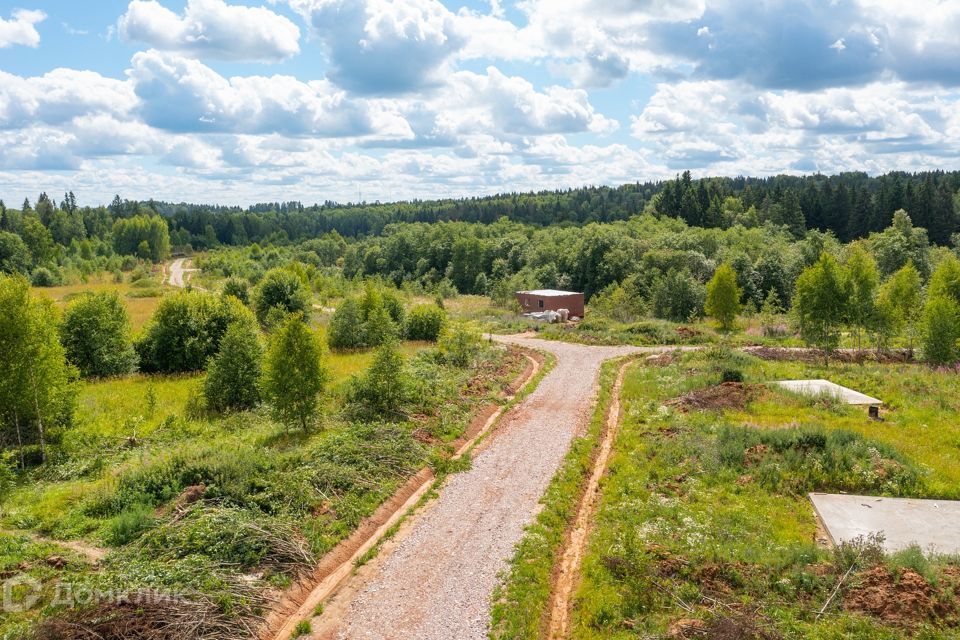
[{"x": 240, "y": 102}]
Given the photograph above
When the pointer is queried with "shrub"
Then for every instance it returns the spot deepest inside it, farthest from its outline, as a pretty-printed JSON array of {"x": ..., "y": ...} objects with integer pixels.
[
  {"x": 96, "y": 335},
  {"x": 731, "y": 375},
  {"x": 367, "y": 321},
  {"x": 459, "y": 345},
  {"x": 186, "y": 330},
  {"x": 425, "y": 322},
  {"x": 129, "y": 524},
  {"x": 237, "y": 288},
  {"x": 43, "y": 277},
  {"x": 283, "y": 289},
  {"x": 294, "y": 375},
  {"x": 233, "y": 375},
  {"x": 941, "y": 330}
]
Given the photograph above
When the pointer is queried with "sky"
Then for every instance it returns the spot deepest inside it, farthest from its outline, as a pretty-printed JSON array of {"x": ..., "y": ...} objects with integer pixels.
[{"x": 232, "y": 102}]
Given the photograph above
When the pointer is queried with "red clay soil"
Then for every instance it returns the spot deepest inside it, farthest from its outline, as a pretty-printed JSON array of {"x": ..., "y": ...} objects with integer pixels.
[
  {"x": 292, "y": 600},
  {"x": 905, "y": 600},
  {"x": 728, "y": 395}
]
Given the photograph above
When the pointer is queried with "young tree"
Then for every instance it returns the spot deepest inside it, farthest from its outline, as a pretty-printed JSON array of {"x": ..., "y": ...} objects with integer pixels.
[
  {"x": 347, "y": 330},
  {"x": 283, "y": 289},
  {"x": 901, "y": 294},
  {"x": 37, "y": 385},
  {"x": 385, "y": 387},
  {"x": 723, "y": 297},
  {"x": 233, "y": 375},
  {"x": 864, "y": 279},
  {"x": 941, "y": 330},
  {"x": 821, "y": 302},
  {"x": 945, "y": 280},
  {"x": 293, "y": 373},
  {"x": 96, "y": 335}
]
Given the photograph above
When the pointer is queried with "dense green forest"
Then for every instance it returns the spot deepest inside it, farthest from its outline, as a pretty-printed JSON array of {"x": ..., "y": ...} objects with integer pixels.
[{"x": 850, "y": 205}]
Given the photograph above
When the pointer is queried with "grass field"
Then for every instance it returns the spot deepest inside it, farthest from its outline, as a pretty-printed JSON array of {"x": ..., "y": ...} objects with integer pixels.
[
  {"x": 704, "y": 528},
  {"x": 141, "y": 298}
]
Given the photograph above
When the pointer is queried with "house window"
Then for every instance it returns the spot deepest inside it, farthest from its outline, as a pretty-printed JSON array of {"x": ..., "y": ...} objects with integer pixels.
[{"x": 540, "y": 303}]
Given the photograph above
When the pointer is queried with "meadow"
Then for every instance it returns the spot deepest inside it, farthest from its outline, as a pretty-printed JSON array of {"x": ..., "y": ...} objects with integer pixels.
[
  {"x": 226, "y": 510},
  {"x": 704, "y": 527}
]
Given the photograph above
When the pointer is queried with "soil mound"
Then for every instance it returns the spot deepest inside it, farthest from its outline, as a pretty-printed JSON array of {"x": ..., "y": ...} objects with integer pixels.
[{"x": 728, "y": 395}]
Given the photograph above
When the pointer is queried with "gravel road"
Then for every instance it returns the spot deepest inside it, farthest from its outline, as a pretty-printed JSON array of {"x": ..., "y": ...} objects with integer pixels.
[
  {"x": 177, "y": 270},
  {"x": 437, "y": 581}
]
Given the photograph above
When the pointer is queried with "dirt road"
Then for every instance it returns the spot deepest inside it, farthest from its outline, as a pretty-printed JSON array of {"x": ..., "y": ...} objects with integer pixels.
[
  {"x": 178, "y": 270},
  {"x": 436, "y": 580}
]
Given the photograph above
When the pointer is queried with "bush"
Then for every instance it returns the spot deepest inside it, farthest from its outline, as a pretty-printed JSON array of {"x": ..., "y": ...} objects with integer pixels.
[
  {"x": 233, "y": 375},
  {"x": 237, "y": 288},
  {"x": 425, "y": 322},
  {"x": 129, "y": 524},
  {"x": 283, "y": 289},
  {"x": 96, "y": 335},
  {"x": 43, "y": 277},
  {"x": 723, "y": 297},
  {"x": 367, "y": 321},
  {"x": 731, "y": 375},
  {"x": 459, "y": 345},
  {"x": 186, "y": 330}
]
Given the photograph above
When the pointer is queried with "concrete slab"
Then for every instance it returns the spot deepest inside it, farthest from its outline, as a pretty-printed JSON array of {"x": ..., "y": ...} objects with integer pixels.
[
  {"x": 825, "y": 387},
  {"x": 934, "y": 525}
]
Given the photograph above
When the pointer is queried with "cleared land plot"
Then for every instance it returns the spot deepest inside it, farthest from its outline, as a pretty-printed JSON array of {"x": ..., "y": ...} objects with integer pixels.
[
  {"x": 705, "y": 528},
  {"x": 933, "y": 525}
]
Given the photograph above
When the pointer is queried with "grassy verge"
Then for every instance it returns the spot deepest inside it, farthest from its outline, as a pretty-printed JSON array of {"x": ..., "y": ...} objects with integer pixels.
[
  {"x": 522, "y": 601},
  {"x": 704, "y": 528}
]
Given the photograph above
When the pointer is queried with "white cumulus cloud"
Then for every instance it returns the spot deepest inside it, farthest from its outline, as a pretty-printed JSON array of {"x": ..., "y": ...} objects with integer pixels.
[
  {"x": 212, "y": 29},
  {"x": 21, "y": 28},
  {"x": 384, "y": 46}
]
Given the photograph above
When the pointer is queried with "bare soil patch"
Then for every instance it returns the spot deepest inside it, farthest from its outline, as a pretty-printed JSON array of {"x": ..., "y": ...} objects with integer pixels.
[
  {"x": 728, "y": 395},
  {"x": 902, "y": 600}
]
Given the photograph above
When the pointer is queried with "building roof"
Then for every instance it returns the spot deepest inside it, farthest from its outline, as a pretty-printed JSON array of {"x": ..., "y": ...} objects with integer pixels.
[
  {"x": 549, "y": 293},
  {"x": 825, "y": 387}
]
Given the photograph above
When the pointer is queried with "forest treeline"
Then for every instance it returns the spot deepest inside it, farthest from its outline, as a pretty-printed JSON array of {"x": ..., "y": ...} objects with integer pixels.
[{"x": 850, "y": 205}]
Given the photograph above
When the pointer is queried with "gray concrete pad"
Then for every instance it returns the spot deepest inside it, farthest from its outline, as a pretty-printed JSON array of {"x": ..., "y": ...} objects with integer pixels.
[
  {"x": 825, "y": 387},
  {"x": 934, "y": 525}
]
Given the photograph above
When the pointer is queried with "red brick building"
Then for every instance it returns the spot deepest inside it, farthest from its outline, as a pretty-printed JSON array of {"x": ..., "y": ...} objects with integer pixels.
[{"x": 551, "y": 300}]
